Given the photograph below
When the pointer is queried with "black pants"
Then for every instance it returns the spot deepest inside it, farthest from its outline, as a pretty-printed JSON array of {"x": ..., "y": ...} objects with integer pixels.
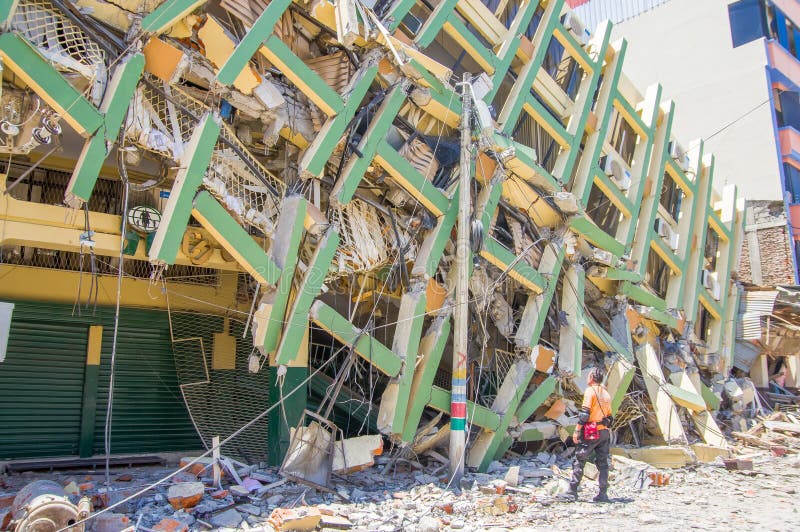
[{"x": 585, "y": 448}]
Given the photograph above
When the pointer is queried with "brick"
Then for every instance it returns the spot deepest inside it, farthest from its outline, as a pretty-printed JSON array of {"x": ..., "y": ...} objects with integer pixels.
[{"x": 170, "y": 525}]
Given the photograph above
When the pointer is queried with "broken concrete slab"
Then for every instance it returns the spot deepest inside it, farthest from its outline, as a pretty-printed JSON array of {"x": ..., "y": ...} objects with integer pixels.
[
  {"x": 354, "y": 454},
  {"x": 662, "y": 456},
  {"x": 303, "y": 518},
  {"x": 185, "y": 494},
  {"x": 229, "y": 519}
]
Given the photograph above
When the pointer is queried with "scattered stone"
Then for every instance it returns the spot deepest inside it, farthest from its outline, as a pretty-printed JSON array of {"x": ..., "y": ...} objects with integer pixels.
[
  {"x": 428, "y": 524},
  {"x": 335, "y": 521},
  {"x": 251, "y": 509},
  {"x": 199, "y": 467},
  {"x": 185, "y": 494},
  {"x": 512, "y": 477},
  {"x": 275, "y": 500},
  {"x": 239, "y": 491},
  {"x": 86, "y": 486},
  {"x": 423, "y": 478},
  {"x": 495, "y": 467},
  {"x": 170, "y": 525},
  {"x": 251, "y": 484},
  {"x": 220, "y": 494},
  {"x": 72, "y": 489},
  {"x": 111, "y": 522},
  {"x": 125, "y": 477},
  {"x": 302, "y": 518},
  {"x": 229, "y": 518}
]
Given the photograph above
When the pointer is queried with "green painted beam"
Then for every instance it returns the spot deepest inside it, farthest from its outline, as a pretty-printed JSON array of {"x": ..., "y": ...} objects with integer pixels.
[
  {"x": 570, "y": 341},
  {"x": 398, "y": 11},
  {"x": 87, "y": 169},
  {"x": 118, "y": 96},
  {"x": 297, "y": 318},
  {"x": 435, "y": 21},
  {"x": 432, "y": 248},
  {"x": 284, "y": 250},
  {"x": 405, "y": 344},
  {"x": 167, "y": 14},
  {"x": 236, "y": 241},
  {"x": 253, "y": 39},
  {"x": 587, "y": 93},
  {"x": 534, "y": 315},
  {"x": 486, "y": 56},
  {"x": 476, "y": 414},
  {"x": 597, "y": 236},
  {"x": 296, "y": 70},
  {"x": 616, "y": 274},
  {"x": 488, "y": 199},
  {"x": 516, "y": 100},
  {"x": 711, "y": 399},
  {"x": 590, "y": 323},
  {"x": 26, "y": 62},
  {"x": 432, "y": 347},
  {"x": 317, "y": 155},
  {"x": 533, "y": 434},
  {"x": 509, "y": 47},
  {"x": 536, "y": 399},
  {"x": 7, "y": 9},
  {"x": 501, "y": 257},
  {"x": 618, "y": 381},
  {"x": 282, "y": 420},
  {"x": 546, "y": 116},
  {"x": 364, "y": 345},
  {"x": 685, "y": 398},
  {"x": 663, "y": 317},
  {"x": 505, "y": 445},
  {"x": 194, "y": 163},
  {"x": 416, "y": 184},
  {"x": 643, "y": 296},
  {"x": 356, "y": 166},
  {"x": 506, "y": 403}
]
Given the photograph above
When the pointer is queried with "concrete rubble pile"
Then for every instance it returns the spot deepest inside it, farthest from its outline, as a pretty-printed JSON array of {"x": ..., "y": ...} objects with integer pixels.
[
  {"x": 518, "y": 491},
  {"x": 315, "y": 143}
]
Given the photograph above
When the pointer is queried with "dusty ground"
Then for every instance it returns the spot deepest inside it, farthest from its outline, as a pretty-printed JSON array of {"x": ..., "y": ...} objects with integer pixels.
[{"x": 705, "y": 497}]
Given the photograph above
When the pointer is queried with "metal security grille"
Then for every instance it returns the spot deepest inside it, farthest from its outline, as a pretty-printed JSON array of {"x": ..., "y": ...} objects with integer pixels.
[
  {"x": 220, "y": 401},
  {"x": 158, "y": 125},
  {"x": 60, "y": 41}
]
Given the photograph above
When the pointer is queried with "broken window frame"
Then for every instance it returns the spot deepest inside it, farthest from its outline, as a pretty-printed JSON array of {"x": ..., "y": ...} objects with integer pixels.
[
  {"x": 658, "y": 273},
  {"x": 623, "y": 138}
]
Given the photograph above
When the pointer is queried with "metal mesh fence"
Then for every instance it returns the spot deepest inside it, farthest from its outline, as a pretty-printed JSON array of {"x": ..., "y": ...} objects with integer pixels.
[
  {"x": 60, "y": 41},
  {"x": 367, "y": 239},
  {"x": 219, "y": 391},
  {"x": 158, "y": 125}
]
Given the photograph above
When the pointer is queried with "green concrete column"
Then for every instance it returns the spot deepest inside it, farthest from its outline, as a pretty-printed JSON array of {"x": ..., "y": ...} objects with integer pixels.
[{"x": 293, "y": 406}]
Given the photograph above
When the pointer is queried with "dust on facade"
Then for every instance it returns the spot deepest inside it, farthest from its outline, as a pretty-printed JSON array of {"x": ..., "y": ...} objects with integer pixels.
[{"x": 283, "y": 181}]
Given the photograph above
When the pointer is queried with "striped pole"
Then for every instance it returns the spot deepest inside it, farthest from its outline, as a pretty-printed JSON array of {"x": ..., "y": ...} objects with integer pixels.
[{"x": 458, "y": 404}]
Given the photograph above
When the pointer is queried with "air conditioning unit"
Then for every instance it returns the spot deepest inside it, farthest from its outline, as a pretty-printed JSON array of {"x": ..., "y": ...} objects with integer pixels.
[
  {"x": 615, "y": 168},
  {"x": 711, "y": 282},
  {"x": 679, "y": 155},
  {"x": 666, "y": 232},
  {"x": 576, "y": 27}
]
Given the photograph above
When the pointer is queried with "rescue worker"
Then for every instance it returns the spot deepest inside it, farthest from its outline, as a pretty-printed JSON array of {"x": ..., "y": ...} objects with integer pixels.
[{"x": 592, "y": 433}]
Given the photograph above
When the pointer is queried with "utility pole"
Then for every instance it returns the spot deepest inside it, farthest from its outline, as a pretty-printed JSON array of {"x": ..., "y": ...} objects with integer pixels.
[{"x": 458, "y": 401}]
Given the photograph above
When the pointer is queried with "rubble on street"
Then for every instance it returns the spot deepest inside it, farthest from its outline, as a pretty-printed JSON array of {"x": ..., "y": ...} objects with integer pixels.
[{"x": 518, "y": 492}]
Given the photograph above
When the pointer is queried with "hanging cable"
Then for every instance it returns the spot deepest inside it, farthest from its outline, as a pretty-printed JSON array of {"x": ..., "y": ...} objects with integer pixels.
[{"x": 110, "y": 403}]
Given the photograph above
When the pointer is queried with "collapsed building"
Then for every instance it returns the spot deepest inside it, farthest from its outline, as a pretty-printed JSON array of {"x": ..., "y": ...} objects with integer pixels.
[{"x": 283, "y": 180}]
